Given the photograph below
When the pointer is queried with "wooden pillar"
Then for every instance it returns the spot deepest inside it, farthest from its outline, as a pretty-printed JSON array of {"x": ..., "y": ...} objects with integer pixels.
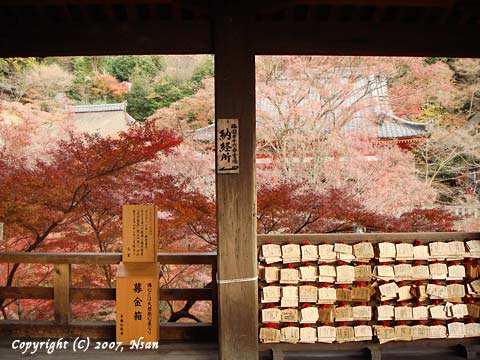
[
  {"x": 61, "y": 293},
  {"x": 236, "y": 193}
]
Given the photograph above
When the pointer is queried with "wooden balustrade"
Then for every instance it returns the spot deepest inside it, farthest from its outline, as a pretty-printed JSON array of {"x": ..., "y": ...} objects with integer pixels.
[{"x": 62, "y": 293}]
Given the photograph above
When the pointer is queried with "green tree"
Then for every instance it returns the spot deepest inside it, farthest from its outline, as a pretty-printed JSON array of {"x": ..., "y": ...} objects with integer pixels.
[{"x": 125, "y": 66}]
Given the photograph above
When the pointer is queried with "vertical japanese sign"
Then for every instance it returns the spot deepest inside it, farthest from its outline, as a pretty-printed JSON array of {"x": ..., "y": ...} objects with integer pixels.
[
  {"x": 228, "y": 152},
  {"x": 139, "y": 233},
  {"x": 137, "y": 302},
  {"x": 1, "y": 231}
]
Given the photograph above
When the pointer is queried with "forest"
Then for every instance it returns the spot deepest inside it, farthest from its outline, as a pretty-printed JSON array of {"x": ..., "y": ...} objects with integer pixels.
[{"x": 62, "y": 190}]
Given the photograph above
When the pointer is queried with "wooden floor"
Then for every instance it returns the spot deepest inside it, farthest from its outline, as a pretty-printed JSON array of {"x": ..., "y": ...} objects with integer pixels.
[{"x": 166, "y": 351}]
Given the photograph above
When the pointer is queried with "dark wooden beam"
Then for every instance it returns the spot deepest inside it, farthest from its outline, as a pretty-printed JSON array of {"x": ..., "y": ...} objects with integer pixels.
[
  {"x": 365, "y": 39},
  {"x": 235, "y": 193},
  {"x": 106, "y": 39}
]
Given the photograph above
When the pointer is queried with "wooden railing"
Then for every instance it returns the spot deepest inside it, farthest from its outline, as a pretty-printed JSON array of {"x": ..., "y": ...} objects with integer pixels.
[{"x": 62, "y": 293}]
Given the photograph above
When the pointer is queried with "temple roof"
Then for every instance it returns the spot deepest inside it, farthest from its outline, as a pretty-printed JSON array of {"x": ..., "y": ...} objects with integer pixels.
[{"x": 105, "y": 119}]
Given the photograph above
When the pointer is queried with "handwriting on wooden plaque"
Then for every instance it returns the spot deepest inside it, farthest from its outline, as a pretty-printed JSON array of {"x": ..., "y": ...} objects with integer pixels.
[{"x": 228, "y": 152}]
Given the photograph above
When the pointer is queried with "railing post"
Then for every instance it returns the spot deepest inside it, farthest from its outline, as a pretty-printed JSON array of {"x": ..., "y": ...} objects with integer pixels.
[
  {"x": 61, "y": 293},
  {"x": 214, "y": 295}
]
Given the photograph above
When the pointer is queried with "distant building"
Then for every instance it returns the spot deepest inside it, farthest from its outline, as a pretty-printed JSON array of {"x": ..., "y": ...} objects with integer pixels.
[
  {"x": 105, "y": 119},
  {"x": 387, "y": 127}
]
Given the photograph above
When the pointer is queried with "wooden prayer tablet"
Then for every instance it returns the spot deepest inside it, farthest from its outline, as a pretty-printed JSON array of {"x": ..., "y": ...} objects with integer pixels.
[
  {"x": 327, "y": 295},
  {"x": 384, "y": 272},
  {"x": 326, "y": 334},
  {"x": 345, "y": 257},
  {"x": 456, "y": 330},
  {"x": 326, "y": 315},
  {"x": 309, "y": 315},
  {"x": 459, "y": 311},
  {"x": 343, "y": 248},
  {"x": 473, "y": 247},
  {"x": 402, "y": 272},
  {"x": 404, "y": 251},
  {"x": 308, "y": 335},
  {"x": 420, "y": 313},
  {"x": 403, "y": 333},
  {"x": 361, "y": 293},
  {"x": 291, "y": 253},
  {"x": 308, "y": 273},
  {"x": 438, "y": 250},
  {"x": 384, "y": 333},
  {"x": 271, "y": 294},
  {"x": 456, "y": 272},
  {"x": 476, "y": 286},
  {"x": 385, "y": 312},
  {"x": 438, "y": 271},
  {"x": 420, "y": 272},
  {"x": 269, "y": 335},
  {"x": 326, "y": 253},
  {"x": 405, "y": 293},
  {"x": 363, "y": 251},
  {"x": 363, "y": 333},
  {"x": 345, "y": 274},
  {"x": 344, "y": 294},
  {"x": 288, "y": 302},
  {"x": 345, "y": 334},
  {"x": 289, "y": 296},
  {"x": 473, "y": 310},
  {"x": 420, "y": 252},
  {"x": 289, "y": 315},
  {"x": 309, "y": 253},
  {"x": 455, "y": 292},
  {"x": 344, "y": 313},
  {"x": 308, "y": 293},
  {"x": 289, "y": 276},
  {"x": 271, "y": 315},
  {"x": 472, "y": 271},
  {"x": 271, "y": 274},
  {"x": 419, "y": 292},
  {"x": 363, "y": 273},
  {"x": 472, "y": 330},
  {"x": 327, "y": 273},
  {"x": 362, "y": 313},
  {"x": 403, "y": 313},
  {"x": 290, "y": 334},
  {"x": 437, "y": 332},
  {"x": 389, "y": 290},
  {"x": 437, "y": 291},
  {"x": 387, "y": 250},
  {"x": 420, "y": 332},
  {"x": 456, "y": 249},
  {"x": 437, "y": 312},
  {"x": 271, "y": 253},
  {"x": 290, "y": 292}
]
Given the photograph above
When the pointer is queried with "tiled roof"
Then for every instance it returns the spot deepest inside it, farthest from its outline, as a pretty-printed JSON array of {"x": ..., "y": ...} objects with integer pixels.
[{"x": 99, "y": 107}]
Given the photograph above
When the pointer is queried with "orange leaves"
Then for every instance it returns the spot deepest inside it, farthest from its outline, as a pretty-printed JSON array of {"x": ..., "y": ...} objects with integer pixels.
[{"x": 108, "y": 86}]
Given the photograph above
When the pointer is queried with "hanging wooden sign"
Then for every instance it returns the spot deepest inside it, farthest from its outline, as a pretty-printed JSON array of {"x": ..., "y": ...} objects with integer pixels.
[{"x": 228, "y": 152}]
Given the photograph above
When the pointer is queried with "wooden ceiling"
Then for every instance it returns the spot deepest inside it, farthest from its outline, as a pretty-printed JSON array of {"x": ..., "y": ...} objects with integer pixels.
[{"x": 382, "y": 27}]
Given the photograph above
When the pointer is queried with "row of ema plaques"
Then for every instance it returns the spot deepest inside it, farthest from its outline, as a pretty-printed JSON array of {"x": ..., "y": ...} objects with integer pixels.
[{"x": 137, "y": 276}]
